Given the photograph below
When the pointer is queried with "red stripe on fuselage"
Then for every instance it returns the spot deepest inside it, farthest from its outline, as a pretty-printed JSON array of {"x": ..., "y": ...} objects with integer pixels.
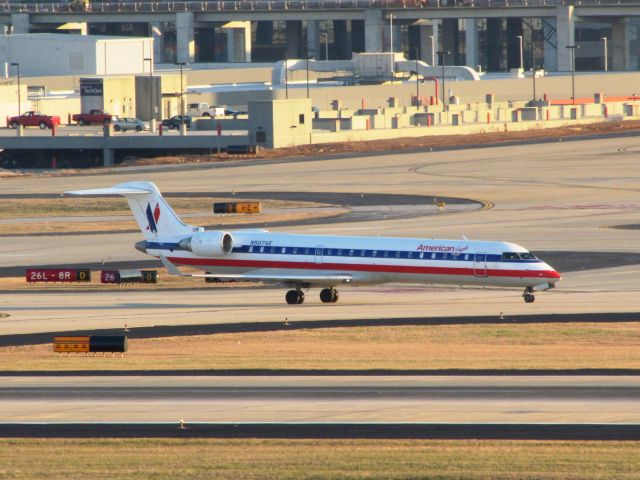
[{"x": 409, "y": 269}]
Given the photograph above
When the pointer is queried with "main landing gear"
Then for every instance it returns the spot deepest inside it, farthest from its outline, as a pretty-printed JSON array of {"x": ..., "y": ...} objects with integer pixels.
[
  {"x": 327, "y": 295},
  {"x": 528, "y": 295},
  {"x": 294, "y": 297}
]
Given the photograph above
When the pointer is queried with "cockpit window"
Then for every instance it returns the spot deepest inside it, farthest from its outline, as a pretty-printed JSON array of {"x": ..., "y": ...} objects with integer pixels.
[
  {"x": 518, "y": 256},
  {"x": 510, "y": 256}
]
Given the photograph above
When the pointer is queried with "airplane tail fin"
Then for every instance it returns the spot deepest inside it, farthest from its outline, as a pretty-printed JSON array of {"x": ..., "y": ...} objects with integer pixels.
[{"x": 152, "y": 212}]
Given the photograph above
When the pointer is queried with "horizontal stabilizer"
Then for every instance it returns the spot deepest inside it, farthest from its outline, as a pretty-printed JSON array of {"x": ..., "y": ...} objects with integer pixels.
[{"x": 110, "y": 191}]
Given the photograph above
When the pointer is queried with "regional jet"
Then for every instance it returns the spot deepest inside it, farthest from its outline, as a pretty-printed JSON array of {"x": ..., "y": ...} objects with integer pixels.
[{"x": 304, "y": 261}]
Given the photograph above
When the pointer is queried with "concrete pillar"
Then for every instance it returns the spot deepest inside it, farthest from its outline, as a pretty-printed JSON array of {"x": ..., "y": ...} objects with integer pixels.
[
  {"x": 20, "y": 22},
  {"x": 494, "y": 44},
  {"x": 185, "y": 37},
  {"x": 107, "y": 157},
  {"x": 565, "y": 34},
  {"x": 239, "y": 42},
  {"x": 450, "y": 41},
  {"x": 471, "y": 42},
  {"x": 429, "y": 44},
  {"x": 619, "y": 45},
  {"x": 158, "y": 41},
  {"x": 549, "y": 52},
  {"x": 373, "y": 30},
  {"x": 294, "y": 38},
  {"x": 313, "y": 39}
]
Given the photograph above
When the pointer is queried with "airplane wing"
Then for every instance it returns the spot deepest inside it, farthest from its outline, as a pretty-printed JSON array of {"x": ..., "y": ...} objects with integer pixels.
[{"x": 266, "y": 277}]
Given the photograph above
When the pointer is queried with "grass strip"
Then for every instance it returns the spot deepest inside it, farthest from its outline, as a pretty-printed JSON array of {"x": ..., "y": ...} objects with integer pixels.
[{"x": 27, "y": 459}]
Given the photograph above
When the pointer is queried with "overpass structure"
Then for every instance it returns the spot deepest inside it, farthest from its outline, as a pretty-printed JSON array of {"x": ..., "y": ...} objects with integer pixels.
[{"x": 465, "y": 32}]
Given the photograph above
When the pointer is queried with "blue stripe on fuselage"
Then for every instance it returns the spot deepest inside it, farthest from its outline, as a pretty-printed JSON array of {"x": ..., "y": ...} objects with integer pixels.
[{"x": 353, "y": 253}]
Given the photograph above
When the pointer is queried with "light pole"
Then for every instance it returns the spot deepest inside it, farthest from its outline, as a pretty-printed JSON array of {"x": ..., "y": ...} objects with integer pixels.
[
  {"x": 417, "y": 80},
  {"x": 606, "y": 54},
  {"x": 519, "y": 37},
  {"x": 326, "y": 44},
  {"x": 307, "y": 76},
  {"x": 441, "y": 54},
  {"x": 17, "y": 65},
  {"x": 573, "y": 69},
  {"x": 151, "y": 91},
  {"x": 286, "y": 75},
  {"x": 433, "y": 50},
  {"x": 183, "y": 126},
  {"x": 391, "y": 32}
]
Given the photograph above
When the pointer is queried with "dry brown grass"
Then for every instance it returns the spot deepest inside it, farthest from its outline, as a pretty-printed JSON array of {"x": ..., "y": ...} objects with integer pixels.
[
  {"x": 30, "y": 459},
  {"x": 547, "y": 346}
]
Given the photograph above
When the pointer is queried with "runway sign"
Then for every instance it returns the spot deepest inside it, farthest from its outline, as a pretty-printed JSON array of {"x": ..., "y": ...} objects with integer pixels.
[
  {"x": 91, "y": 344},
  {"x": 119, "y": 277},
  {"x": 237, "y": 207},
  {"x": 34, "y": 275}
]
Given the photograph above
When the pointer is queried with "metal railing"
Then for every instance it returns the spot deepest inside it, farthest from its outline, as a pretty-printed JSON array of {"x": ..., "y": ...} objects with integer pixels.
[{"x": 127, "y": 6}]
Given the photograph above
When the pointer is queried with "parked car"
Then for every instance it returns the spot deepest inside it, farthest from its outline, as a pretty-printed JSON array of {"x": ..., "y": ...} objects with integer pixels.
[
  {"x": 94, "y": 117},
  {"x": 204, "y": 110},
  {"x": 34, "y": 119},
  {"x": 232, "y": 112},
  {"x": 175, "y": 121},
  {"x": 127, "y": 123}
]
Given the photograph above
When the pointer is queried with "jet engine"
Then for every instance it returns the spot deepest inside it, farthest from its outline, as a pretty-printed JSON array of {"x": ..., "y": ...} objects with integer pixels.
[{"x": 208, "y": 244}]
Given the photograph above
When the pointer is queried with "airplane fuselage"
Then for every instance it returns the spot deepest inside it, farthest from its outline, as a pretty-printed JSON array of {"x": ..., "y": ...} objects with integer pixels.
[{"x": 370, "y": 260}]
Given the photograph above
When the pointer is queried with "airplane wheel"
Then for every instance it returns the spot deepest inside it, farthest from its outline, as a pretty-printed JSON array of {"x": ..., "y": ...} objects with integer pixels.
[
  {"x": 329, "y": 295},
  {"x": 294, "y": 297},
  {"x": 529, "y": 297},
  {"x": 326, "y": 295}
]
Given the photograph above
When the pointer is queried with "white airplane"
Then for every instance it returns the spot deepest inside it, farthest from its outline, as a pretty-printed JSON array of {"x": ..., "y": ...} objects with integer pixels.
[{"x": 303, "y": 261}]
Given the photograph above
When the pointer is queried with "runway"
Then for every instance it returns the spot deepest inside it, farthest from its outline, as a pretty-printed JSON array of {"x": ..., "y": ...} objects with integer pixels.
[{"x": 328, "y": 399}]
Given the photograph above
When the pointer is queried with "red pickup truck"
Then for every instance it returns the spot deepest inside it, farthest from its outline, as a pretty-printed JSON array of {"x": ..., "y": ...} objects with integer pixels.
[
  {"x": 94, "y": 117},
  {"x": 34, "y": 119}
]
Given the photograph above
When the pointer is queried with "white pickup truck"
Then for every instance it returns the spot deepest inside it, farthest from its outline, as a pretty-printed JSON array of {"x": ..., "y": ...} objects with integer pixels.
[{"x": 204, "y": 110}]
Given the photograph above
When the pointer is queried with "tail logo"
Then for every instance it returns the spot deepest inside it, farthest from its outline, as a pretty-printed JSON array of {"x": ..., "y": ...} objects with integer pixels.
[{"x": 153, "y": 217}]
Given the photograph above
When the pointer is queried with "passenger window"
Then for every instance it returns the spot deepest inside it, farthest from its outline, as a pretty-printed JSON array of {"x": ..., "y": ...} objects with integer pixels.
[
  {"x": 329, "y": 252},
  {"x": 363, "y": 253},
  {"x": 375, "y": 253},
  {"x": 466, "y": 257},
  {"x": 386, "y": 253},
  {"x": 306, "y": 251},
  {"x": 445, "y": 256},
  {"x": 433, "y": 256},
  {"x": 284, "y": 250},
  {"x": 422, "y": 255},
  {"x": 339, "y": 252},
  {"x": 250, "y": 249},
  {"x": 295, "y": 250},
  {"x": 397, "y": 254},
  {"x": 261, "y": 249},
  {"x": 351, "y": 253},
  {"x": 410, "y": 255}
]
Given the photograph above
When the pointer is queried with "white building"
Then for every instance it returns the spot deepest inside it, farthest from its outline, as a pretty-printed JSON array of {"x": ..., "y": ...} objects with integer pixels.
[{"x": 50, "y": 54}]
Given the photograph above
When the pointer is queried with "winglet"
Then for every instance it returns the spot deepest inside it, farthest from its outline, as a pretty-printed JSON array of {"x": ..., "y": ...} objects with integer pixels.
[{"x": 171, "y": 268}]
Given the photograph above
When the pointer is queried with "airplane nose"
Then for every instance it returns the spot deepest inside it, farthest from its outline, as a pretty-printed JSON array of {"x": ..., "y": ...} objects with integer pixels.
[
  {"x": 553, "y": 274},
  {"x": 141, "y": 246}
]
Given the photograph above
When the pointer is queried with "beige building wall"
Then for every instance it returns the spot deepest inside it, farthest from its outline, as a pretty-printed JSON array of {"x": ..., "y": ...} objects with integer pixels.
[{"x": 280, "y": 123}]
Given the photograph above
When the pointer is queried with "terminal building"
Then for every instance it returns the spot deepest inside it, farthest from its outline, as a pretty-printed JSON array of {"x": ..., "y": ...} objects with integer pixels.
[{"x": 483, "y": 35}]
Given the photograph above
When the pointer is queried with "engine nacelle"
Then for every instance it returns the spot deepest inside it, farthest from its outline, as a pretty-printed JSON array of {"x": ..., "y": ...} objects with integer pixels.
[{"x": 208, "y": 244}]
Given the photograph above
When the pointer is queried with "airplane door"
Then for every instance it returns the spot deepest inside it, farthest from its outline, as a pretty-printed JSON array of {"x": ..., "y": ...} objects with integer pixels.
[
  {"x": 480, "y": 265},
  {"x": 319, "y": 250}
]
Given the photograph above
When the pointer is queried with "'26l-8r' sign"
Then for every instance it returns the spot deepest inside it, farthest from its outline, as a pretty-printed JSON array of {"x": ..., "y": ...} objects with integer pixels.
[{"x": 57, "y": 275}]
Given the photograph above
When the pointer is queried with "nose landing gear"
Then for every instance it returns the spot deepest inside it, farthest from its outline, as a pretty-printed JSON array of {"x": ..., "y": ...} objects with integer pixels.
[
  {"x": 528, "y": 295},
  {"x": 329, "y": 295}
]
